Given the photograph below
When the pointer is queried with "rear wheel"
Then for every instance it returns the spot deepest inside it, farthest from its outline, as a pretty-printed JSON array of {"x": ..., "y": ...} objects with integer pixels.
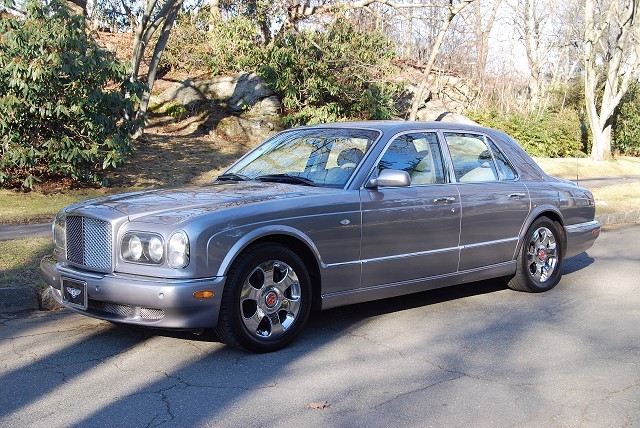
[
  {"x": 266, "y": 301},
  {"x": 540, "y": 258}
]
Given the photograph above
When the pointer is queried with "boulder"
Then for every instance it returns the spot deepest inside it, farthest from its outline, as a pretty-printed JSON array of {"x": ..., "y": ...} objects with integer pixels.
[
  {"x": 239, "y": 92},
  {"x": 46, "y": 301},
  {"x": 437, "y": 111},
  {"x": 268, "y": 108}
]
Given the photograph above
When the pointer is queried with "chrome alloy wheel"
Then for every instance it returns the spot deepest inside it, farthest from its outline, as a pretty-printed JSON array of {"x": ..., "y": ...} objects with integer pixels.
[
  {"x": 270, "y": 299},
  {"x": 541, "y": 254}
]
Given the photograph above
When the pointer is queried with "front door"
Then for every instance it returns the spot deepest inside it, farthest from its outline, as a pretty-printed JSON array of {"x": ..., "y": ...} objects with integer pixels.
[{"x": 410, "y": 233}]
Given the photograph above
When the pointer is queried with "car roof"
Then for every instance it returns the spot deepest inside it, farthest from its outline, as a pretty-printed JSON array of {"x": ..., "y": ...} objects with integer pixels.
[{"x": 402, "y": 125}]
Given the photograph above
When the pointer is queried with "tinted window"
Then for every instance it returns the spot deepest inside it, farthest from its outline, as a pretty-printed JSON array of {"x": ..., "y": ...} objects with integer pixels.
[
  {"x": 472, "y": 159},
  {"x": 418, "y": 154}
]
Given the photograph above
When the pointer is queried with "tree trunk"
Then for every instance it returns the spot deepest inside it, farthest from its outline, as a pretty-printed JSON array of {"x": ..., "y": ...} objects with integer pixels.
[
  {"x": 433, "y": 55},
  {"x": 176, "y": 5},
  {"x": 614, "y": 34}
]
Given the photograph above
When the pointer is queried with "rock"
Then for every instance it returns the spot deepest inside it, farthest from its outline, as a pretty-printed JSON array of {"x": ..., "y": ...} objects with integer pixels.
[
  {"x": 239, "y": 92},
  {"x": 46, "y": 300},
  {"x": 437, "y": 111},
  {"x": 267, "y": 107},
  {"x": 249, "y": 89}
]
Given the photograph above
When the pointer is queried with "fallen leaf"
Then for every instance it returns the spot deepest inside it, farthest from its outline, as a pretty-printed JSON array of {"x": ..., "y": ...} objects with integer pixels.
[{"x": 319, "y": 405}]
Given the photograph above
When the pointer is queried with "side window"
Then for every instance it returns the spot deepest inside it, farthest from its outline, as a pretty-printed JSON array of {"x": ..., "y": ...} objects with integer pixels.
[
  {"x": 472, "y": 159},
  {"x": 419, "y": 155},
  {"x": 507, "y": 172}
]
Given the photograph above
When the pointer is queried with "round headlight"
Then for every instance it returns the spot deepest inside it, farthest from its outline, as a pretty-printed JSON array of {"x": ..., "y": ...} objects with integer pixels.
[
  {"x": 178, "y": 250},
  {"x": 155, "y": 249},
  {"x": 135, "y": 247}
]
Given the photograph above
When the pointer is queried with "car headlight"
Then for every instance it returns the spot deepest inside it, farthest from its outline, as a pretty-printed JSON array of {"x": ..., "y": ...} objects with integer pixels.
[
  {"x": 142, "y": 247},
  {"x": 178, "y": 255},
  {"x": 59, "y": 232}
]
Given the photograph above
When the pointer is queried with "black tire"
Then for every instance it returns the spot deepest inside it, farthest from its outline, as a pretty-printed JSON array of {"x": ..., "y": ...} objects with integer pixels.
[
  {"x": 540, "y": 259},
  {"x": 266, "y": 299}
]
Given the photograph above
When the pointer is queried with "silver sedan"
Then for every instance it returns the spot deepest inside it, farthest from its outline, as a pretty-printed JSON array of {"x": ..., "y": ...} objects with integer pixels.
[{"x": 319, "y": 217}]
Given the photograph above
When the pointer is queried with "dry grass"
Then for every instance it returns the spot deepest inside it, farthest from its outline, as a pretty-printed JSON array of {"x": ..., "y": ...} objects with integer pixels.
[
  {"x": 621, "y": 197},
  {"x": 20, "y": 261}
]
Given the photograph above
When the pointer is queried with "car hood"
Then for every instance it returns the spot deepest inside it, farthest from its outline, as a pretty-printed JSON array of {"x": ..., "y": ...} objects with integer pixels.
[{"x": 176, "y": 205}]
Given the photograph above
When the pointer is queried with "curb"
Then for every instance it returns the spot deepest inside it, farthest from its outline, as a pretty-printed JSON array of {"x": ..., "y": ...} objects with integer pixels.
[
  {"x": 632, "y": 216},
  {"x": 17, "y": 299}
]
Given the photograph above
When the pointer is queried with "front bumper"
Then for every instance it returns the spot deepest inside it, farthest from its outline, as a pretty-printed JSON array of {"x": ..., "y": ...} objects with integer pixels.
[
  {"x": 581, "y": 236},
  {"x": 133, "y": 299}
]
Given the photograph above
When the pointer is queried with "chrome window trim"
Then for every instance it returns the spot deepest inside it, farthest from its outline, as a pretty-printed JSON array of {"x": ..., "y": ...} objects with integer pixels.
[{"x": 515, "y": 171}]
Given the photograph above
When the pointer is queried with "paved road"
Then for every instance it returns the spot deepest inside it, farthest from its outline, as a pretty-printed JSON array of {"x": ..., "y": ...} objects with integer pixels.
[
  {"x": 592, "y": 183},
  {"x": 19, "y": 231},
  {"x": 475, "y": 355}
]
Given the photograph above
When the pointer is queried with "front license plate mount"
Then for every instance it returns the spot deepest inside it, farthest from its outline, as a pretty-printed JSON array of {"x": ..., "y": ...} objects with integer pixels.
[{"x": 74, "y": 293}]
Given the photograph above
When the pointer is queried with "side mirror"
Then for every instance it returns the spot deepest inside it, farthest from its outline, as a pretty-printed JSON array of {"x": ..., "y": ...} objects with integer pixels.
[{"x": 390, "y": 178}]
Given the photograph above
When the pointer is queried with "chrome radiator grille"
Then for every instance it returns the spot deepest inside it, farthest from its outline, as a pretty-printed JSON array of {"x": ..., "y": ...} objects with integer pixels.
[{"x": 89, "y": 242}]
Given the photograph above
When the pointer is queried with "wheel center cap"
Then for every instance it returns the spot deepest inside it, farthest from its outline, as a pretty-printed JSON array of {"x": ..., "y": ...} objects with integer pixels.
[
  {"x": 270, "y": 299},
  {"x": 541, "y": 254}
]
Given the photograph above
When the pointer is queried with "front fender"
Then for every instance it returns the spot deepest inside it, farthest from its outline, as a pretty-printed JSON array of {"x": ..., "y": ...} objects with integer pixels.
[{"x": 223, "y": 248}]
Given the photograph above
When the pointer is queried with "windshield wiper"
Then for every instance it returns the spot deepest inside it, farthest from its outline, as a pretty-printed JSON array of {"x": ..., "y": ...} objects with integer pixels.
[
  {"x": 284, "y": 178},
  {"x": 232, "y": 176}
]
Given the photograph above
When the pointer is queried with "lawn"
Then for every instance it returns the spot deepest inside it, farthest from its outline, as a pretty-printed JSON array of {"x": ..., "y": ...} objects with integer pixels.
[
  {"x": 36, "y": 207},
  {"x": 20, "y": 261},
  {"x": 586, "y": 168}
]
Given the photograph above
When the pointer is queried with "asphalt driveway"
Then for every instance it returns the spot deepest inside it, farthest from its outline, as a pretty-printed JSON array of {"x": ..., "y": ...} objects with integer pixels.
[{"x": 473, "y": 355}]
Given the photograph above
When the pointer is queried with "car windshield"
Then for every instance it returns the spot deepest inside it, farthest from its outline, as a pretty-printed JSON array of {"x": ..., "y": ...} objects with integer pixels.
[{"x": 317, "y": 157}]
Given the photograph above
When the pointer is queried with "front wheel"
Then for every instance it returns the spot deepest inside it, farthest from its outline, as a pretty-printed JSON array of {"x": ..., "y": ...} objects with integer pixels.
[
  {"x": 540, "y": 258},
  {"x": 266, "y": 301}
]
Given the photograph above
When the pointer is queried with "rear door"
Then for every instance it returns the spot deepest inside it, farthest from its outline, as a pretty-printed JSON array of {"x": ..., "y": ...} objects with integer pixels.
[{"x": 494, "y": 203}]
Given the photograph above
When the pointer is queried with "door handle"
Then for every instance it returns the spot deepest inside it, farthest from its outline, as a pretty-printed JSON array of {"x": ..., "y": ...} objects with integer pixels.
[
  {"x": 447, "y": 200},
  {"x": 516, "y": 196}
]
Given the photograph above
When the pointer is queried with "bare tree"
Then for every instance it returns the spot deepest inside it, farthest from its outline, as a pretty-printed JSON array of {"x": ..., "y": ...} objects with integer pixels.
[
  {"x": 532, "y": 40},
  {"x": 482, "y": 25},
  {"x": 611, "y": 45},
  {"x": 450, "y": 12},
  {"x": 156, "y": 16}
]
